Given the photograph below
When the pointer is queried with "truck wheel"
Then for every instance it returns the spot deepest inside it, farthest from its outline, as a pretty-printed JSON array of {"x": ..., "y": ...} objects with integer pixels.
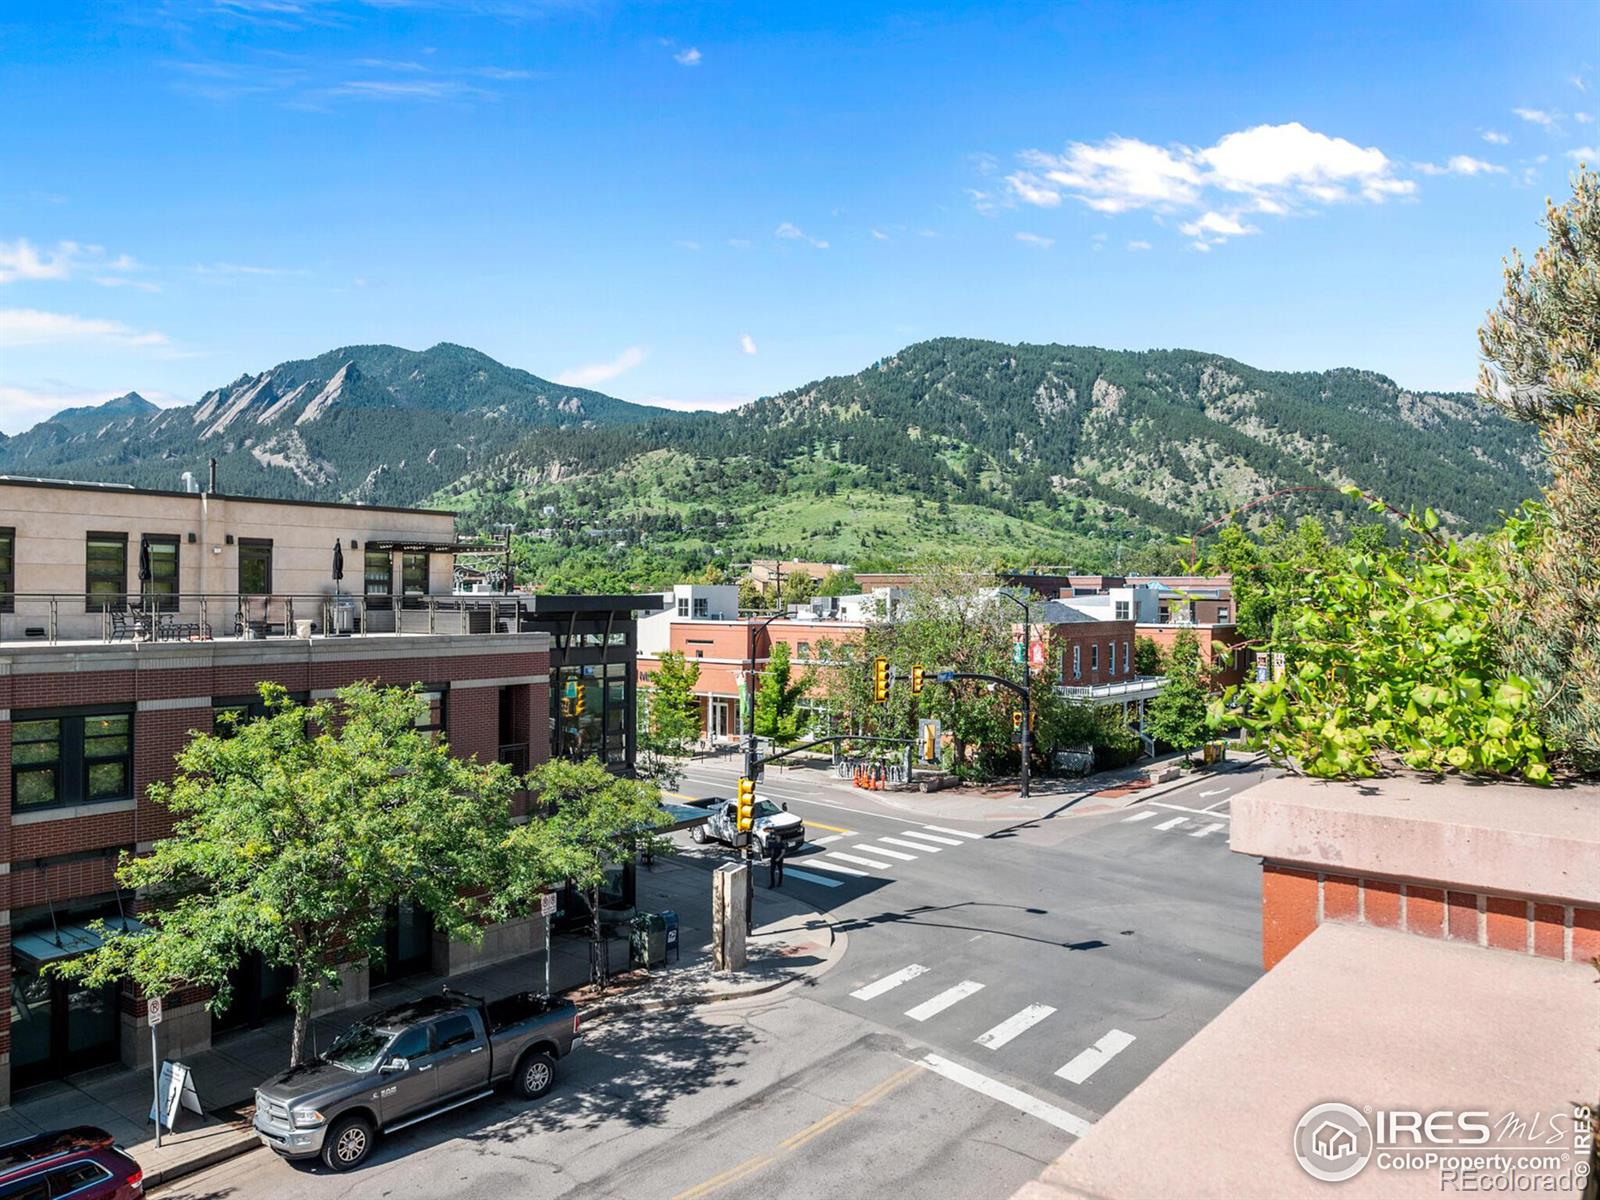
[
  {"x": 348, "y": 1143},
  {"x": 697, "y": 835},
  {"x": 536, "y": 1075}
]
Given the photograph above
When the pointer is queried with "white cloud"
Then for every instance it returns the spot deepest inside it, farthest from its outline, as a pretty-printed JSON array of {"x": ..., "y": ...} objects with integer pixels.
[
  {"x": 1583, "y": 118},
  {"x": 1579, "y": 83},
  {"x": 879, "y": 235},
  {"x": 31, "y": 327},
  {"x": 588, "y": 376},
  {"x": 1138, "y": 245},
  {"x": 1585, "y": 154},
  {"x": 688, "y": 58},
  {"x": 747, "y": 343},
  {"x": 687, "y": 244},
  {"x": 1216, "y": 224},
  {"x": 216, "y": 269},
  {"x": 791, "y": 232},
  {"x": 1276, "y": 169},
  {"x": 1496, "y": 138},
  {"x": 22, "y": 406},
  {"x": 22, "y": 262},
  {"x": 1535, "y": 116},
  {"x": 1461, "y": 164},
  {"x": 1033, "y": 239}
]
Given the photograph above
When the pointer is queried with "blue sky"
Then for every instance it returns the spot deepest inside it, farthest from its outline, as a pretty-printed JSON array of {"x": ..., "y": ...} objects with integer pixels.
[{"x": 699, "y": 204}]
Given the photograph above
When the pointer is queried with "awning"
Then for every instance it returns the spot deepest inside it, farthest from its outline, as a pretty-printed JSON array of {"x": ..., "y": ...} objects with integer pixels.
[
  {"x": 415, "y": 545},
  {"x": 33, "y": 950}
]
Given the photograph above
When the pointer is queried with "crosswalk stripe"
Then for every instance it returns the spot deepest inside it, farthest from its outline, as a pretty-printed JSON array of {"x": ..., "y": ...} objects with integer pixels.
[
  {"x": 870, "y": 848},
  {"x": 827, "y": 865},
  {"x": 1014, "y": 1025},
  {"x": 1096, "y": 1056},
  {"x": 823, "y": 841},
  {"x": 932, "y": 837},
  {"x": 808, "y": 877},
  {"x": 911, "y": 845},
  {"x": 956, "y": 832},
  {"x": 1209, "y": 829},
  {"x": 1141, "y": 816},
  {"x": 1171, "y": 823},
  {"x": 858, "y": 860},
  {"x": 995, "y": 1090},
  {"x": 935, "y": 1006},
  {"x": 889, "y": 982}
]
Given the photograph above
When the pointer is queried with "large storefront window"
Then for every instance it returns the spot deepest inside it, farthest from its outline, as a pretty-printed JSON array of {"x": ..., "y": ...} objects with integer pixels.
[
  {"x": 407, "y": 947},
  {"x": 63, "y": 758},
  {"x": 592, "y": 718}
]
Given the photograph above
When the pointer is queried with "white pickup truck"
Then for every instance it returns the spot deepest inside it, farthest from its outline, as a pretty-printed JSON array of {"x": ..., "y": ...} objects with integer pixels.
[{"x": 771, "y": 821}]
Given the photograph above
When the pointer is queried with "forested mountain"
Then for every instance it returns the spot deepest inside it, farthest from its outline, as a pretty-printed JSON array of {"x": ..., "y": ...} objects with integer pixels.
[
  {"x": 1053, "y": 451},
  {"x": 372, "y": 423},
  {"x": 1060, "y": 454}
]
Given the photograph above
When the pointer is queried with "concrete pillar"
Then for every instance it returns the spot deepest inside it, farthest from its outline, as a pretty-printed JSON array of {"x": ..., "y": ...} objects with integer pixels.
[{"x": 729, "y": 909}]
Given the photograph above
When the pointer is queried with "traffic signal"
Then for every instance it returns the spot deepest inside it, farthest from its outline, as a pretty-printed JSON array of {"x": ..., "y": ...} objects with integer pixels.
[
  {"x": 747, "y": 805},
  {"x": 916, "y": 679},
  {"x": 577, "y": 701},
  {"x": 1016, "y": 720},
  {"x": 880, "y": 679},
  {"x": 930, "y": 742}
]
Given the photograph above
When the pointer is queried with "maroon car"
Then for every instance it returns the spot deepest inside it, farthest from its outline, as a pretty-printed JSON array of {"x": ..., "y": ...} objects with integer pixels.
[{"x": 83, "y": 1163}]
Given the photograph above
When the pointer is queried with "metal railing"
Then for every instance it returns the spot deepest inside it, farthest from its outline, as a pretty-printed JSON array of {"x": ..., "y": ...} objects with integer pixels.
[{"x": 207, "y": 616}]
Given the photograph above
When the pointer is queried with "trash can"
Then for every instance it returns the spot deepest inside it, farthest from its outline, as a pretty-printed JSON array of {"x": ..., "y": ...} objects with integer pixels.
[
  {"x": 670, "y": 919},
  {"x": 342, "y": 616},
  {"x": 647, "y": 945}
]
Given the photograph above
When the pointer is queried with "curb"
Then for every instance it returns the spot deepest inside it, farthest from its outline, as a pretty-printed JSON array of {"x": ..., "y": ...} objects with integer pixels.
[
  {"x": 240, "y": 1145},
  {"x": 1162, "y": 789}
]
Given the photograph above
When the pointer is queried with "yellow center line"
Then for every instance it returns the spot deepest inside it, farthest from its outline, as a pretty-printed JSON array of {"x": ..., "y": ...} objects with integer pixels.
[
  {"x": 829, "y": 828},
  {"x": 816, "y": 1129},
  {"x": 679, "y": 796}
]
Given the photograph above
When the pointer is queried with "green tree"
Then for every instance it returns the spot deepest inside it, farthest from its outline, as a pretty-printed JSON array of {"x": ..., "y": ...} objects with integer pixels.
[
  {"x": 1178, "y": 714},
  {"x": 778, "y": 696},
  {"x": 1542, "y": 346},
  {"x": 595, "y": 820},
  {"x": 674, "y": 708},
  {"x": 838, "y": 583},
  {"x": 293, "y": 833},
  {"x": 1147, "y": 656}
]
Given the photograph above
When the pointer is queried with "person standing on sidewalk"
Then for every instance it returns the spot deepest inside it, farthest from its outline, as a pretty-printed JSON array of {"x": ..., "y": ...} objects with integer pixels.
[{"x": 776, "y": 849}]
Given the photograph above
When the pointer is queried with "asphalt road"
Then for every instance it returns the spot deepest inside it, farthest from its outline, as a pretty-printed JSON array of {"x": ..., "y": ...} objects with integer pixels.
[{"x": 1005, "y": 985}]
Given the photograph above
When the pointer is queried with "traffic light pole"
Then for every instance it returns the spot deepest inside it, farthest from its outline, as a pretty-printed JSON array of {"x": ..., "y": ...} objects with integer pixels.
[
  {"x": 751, "y": 764},
  {"x": 1027, "y": 684}
]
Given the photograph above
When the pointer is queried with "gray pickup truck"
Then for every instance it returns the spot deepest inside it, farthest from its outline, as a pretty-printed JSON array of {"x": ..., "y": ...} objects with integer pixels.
[
  {"x": 409, "y": 1063},
  {"x": 770, "y": 822}
]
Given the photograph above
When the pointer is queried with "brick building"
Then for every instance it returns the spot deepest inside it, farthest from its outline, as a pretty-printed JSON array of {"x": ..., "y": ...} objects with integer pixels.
[{"x": 128, "y": 619}]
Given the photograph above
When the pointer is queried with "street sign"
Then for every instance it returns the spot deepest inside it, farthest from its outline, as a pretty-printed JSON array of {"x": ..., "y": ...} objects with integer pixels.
[
  {"x": 1036, "y": 654},
  {"x": 1016, "y": 653},
  {"x": 945, "y": 676},
  {"x": 154, "y": 1012},
  {"x": 547, "y": 904}
]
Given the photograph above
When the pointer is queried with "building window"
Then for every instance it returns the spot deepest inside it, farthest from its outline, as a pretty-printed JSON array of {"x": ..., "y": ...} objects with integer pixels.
[
  {"x": 431, "y": 719},
  {"x": 106, "y": 574},
  {"x": 414, "y": 573},
  {"x": 255, "y": 566},
  {"x": 71, "y": 758},
  {"x": 1077, "y": 662},
  {"x": 377, "y": 577},
  {"x": 8, "y": 570},
  {"x": 160, "y": 591},
  {"x": 1222, "y": 616},
  {"x": 1127, "y": 659},
  {"x": 228, "y": 715},
  {"x": 1094, "y": 657},
  {"x": 1124, "y": 610},
  {"x": 1111, "y": 649},
  {"x": 803, "y": 651},
  {"x": 683, "y": 607},
  {"x": 702, "y": 608}
]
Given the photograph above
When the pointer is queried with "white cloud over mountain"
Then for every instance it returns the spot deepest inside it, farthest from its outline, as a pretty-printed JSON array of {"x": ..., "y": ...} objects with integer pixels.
[{"x": 597, "y": 373}]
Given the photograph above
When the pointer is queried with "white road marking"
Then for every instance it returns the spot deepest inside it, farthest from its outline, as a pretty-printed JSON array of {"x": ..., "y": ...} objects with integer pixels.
[
  {"x": 956, "y": 832},
  {"x": 823, "y": 841},
  {"x": 889, "y": 982},
  {"x": 808, "y": 877},
  {"x": 1171, "y": 823},
  {"x": 1142, "y": 816},
  {"x": 911, "y": 845},
  {"x": 995, "y": 1090},
  {"x": 1209, "y": 829},
  {"x": 1212, "y": 792},
  {"x": 825, "y": 865},
  {"x": 1199, "y": 812},
  {"x": 932, "y": 837},
  {"x": 872, "y": 848},
  {"x": 860, "y": 862},
  {"x": 932, "y": 1008},
  {"x": 1096, "y": 1056},
  {"x": 1012, "y": 1026}
]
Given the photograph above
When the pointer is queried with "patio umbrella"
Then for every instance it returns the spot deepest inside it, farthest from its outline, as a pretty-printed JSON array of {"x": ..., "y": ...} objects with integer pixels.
[
  {"x": 144, "y": 562},
  {"x": 338, "y": 565}
]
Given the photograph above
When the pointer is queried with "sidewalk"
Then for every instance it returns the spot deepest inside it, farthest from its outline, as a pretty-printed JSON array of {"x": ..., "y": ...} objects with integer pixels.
[{"x": 791, "y": 943}]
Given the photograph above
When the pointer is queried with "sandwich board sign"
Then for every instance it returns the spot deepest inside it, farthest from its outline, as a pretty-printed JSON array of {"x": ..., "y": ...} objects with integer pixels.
[{"x": 175, "y": 1091}]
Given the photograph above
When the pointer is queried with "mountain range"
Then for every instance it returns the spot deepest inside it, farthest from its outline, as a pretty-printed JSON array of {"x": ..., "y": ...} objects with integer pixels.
[{"x": 1047, "y": 450}]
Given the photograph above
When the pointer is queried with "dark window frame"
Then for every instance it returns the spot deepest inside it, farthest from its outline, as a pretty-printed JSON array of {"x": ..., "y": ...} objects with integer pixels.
[
  {"x": 255, "y": 546},
  {"x": 74, "y": 761},
  {"x": 163, "y": 601},
  {"x": 8, "y": 568},
  {"x": 407, "y": 561},
  {"x": 440, "y": 727},
  {"x": 94, "y": 601}
]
